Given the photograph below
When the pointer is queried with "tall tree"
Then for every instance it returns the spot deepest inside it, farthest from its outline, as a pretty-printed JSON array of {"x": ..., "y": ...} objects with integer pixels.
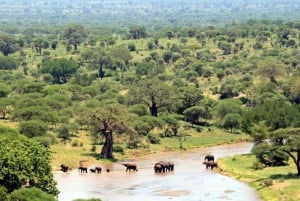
[
  {"x": 155, "y": 94},
  {"x": 137, "y": 32},
  {"x": 108, "y": 119},
  {"x": 75, "y": 34}
]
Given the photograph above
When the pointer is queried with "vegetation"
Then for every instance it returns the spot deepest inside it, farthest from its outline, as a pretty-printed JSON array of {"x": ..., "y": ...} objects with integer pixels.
[
  {"x": 272, "y": 183},
  {"x": 24, "y": 163},
  {"x": 105, "y": 93}
]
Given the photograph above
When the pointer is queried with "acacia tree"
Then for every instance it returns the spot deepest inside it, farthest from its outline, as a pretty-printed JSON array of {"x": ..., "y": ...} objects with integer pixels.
[
  {"x": 75, "y": 34},
  {"x": 288, "y": 141},
  {"x": 271, "y": 68},
  {"x": 155, "y": 94},
  {"x": 107, "y": 120}
]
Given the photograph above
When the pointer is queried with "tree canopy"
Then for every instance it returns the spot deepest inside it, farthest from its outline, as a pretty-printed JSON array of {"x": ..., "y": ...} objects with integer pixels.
[{"x": 24, "y": 162}]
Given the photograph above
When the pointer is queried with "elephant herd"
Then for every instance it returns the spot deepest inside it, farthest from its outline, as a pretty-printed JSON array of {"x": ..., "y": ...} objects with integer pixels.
[{"x": 159, "y": 167}]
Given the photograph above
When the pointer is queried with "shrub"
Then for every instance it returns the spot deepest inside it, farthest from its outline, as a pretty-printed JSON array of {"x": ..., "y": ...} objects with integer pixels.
[
  {"x": 257, "y": 165},
  {"x": 33, "y": 128},
  {"x": 93, "y": 149},
  {"x": 153, "y": 139},
  {"x": 118, "y": 149},
  {"x": 267, "y": 182},
  {"x": 30, "y": 194}
]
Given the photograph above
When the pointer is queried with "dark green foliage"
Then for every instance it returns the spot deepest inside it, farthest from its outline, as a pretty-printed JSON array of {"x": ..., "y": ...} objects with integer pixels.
[
  {"x": 30, "y": 194},
  {"x": 33, "y": 128},
  {"x": 60, "y": 69},
  {"x": 269, "y": 155},
  {"x": 118, "y": 149},
  {"x": 8, "y": 63},
  {"x": 232, "y": 121},
  {"x": 23, "y": 161}
]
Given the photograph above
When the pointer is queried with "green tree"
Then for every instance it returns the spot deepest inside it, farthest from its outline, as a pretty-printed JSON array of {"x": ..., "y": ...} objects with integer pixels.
[
  {"x": 4, "y": 90},
  {"x": 288, "y": 141},
  {"x": 39, "y": 44},
  {"x": 259, "y": 131},
  {"x": 8, "y": 63},
  {"x": 232, "y": 121},
  {"x": 228, "y": 106},
  {"x": 75, "y": 34},
  {"x": 64, "y": 133},
  {"x": 8, "y": 44},
  {"x": 60, "y": 69},
  {"x": 33, "y": 128},
  {"x": 192, "y": 114},
  {"x": 23, "y": 161},
  {"x": 188, "y": 97},
  {"x": 108, "y": 119},
  {"x": 155, "y": 94},
  {"x": 137, "y": 32},
  {"x": 271, "y": 68}
]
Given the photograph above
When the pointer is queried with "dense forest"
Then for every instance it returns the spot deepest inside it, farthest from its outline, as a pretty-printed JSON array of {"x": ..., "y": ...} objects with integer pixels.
[
  {"x": 153, "y": 14},
  {"x": 145, "y": 79}
]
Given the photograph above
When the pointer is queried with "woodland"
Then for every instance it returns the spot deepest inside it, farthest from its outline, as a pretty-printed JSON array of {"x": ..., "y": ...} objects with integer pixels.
[{"x": 128, "y": 89}]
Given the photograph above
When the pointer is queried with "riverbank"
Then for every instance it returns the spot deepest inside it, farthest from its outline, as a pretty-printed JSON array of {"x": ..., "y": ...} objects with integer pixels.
[
  {"x": 272, "y": 183},
  {"x": 81, "y": 151},
  {"x": 189, "y": 181}
]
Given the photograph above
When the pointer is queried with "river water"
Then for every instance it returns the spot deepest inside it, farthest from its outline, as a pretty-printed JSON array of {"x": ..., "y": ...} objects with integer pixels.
[{"x": 190, "y": 181}]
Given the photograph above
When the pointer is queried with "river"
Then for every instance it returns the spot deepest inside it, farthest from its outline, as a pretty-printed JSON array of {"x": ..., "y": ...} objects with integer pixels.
[{"x": 189, "y": 182}]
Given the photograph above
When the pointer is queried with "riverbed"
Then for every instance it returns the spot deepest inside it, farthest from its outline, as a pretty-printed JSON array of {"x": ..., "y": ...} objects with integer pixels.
[{"x": 190, "y": 181}]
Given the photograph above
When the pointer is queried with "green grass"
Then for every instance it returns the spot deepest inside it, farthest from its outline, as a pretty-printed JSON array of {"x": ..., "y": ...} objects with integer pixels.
[
  {"x": 285, "y": 183},
  {"x": 72, "y": 155}
]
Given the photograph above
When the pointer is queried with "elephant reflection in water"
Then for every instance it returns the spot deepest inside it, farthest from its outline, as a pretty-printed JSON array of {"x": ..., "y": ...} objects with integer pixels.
[
  {"x": 210, "y": 164},
  {"x": 163, "y": 166}
]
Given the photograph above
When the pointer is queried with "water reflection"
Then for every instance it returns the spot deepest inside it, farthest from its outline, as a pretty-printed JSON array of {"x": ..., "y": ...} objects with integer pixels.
[{"x": 190, "y": 181}]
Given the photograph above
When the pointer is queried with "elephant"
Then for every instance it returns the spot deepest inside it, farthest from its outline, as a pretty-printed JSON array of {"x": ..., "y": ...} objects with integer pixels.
[
  {"x": 83, "y": 169},
  {"x": 210, "y": 164},
  {"x": 209, "y": 157},
  {"x": 163, "y": 166},
  {"x": 64, "y": 168},
  {"x": 97, "y": 170},
  {"x": 130, "y": 166}
]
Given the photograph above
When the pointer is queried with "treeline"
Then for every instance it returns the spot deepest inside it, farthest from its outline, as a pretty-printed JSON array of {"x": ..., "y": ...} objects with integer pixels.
[{"x": 154, "y": 14}]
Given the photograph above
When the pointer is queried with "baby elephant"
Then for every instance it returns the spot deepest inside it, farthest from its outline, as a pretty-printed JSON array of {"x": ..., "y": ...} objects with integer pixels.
[
  {"x": 97, "y": 170},
  {"x": 130, "y": 166}
]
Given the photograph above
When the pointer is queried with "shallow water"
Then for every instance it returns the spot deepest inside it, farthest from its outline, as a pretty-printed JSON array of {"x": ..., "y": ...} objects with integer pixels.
[{"x": 189, "y": 182}]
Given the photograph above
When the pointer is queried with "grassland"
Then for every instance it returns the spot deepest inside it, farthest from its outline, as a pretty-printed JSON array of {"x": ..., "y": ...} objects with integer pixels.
[{"x": 272, "y": 183}]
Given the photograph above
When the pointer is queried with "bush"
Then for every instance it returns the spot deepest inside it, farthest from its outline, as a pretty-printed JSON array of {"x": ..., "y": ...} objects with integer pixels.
[
  {"x": 118, "y": 149},
  {"x": 267, "y": 182},
  {"x": 33, "y": 128},
  {"x": 30, "y": 194},
  {"x": 257, "y": 165},
  {"x": 93, "y": 149},
  {"x": 153, "y": 139}
]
